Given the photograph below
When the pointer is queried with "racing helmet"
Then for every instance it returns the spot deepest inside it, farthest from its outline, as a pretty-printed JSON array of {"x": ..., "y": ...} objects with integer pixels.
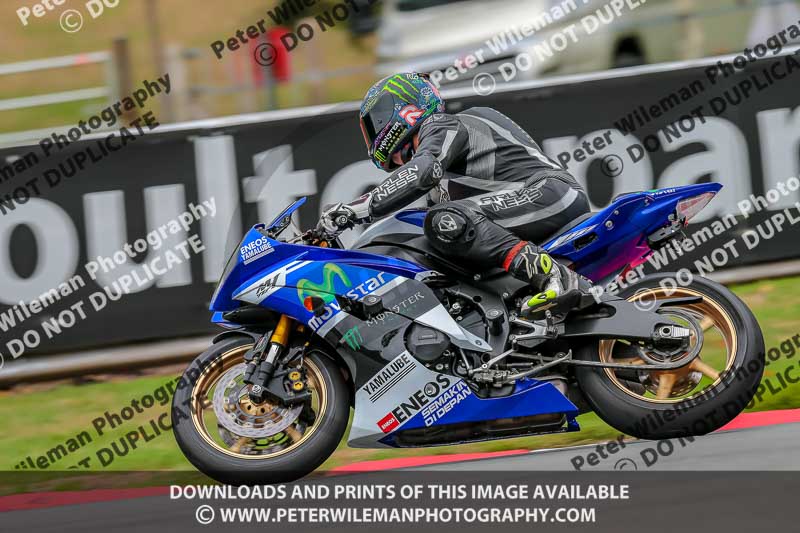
[{"x": 392, "y": 111}]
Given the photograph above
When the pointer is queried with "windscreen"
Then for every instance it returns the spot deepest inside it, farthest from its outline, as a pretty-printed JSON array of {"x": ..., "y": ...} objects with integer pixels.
[{"x": 286, "y": 212}]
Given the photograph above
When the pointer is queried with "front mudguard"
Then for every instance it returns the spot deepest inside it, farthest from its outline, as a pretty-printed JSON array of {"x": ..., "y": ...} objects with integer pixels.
[{"x": 237, "y": 333}]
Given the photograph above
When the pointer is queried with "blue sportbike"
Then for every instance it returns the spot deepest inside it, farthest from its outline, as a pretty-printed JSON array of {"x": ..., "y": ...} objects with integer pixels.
[{"x": 428, "y": 352}]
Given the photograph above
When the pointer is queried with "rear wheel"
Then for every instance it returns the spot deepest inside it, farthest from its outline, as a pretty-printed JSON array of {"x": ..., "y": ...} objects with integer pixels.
[
  {"x": 695, "y": 399},
  {"x": 235, "y": 441}
]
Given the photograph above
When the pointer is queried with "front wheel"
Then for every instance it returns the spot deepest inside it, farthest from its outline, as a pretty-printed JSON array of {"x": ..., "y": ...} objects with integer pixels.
[
  {"x": 695, "y": 399},
  {"x": 235, "y": 441}
]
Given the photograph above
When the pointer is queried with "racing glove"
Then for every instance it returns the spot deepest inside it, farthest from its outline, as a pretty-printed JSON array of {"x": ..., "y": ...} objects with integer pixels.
[{"x": 337, "y": 218}]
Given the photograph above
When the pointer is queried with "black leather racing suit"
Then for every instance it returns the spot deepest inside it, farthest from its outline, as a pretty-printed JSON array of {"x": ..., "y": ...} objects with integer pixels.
[{"x": 489, "y": 184}]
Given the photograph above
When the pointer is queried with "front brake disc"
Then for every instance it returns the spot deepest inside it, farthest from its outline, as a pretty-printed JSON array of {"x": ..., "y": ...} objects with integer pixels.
[{"x": 239, "y": 415}]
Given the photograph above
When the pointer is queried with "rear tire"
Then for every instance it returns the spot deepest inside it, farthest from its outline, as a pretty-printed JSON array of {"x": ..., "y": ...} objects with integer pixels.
[
  {"x": 289, "y": 466},
  {"x": 702, "y": 412}
]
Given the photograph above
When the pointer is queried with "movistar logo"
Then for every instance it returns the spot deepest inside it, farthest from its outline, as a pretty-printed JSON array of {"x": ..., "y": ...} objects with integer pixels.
[{"x": 327, "y": 287}]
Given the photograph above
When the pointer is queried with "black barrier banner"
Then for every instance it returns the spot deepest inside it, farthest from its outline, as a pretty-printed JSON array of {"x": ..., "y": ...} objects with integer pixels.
[
  {"x": 430, "y": 501},
  {"x": 89, "y": 227}
]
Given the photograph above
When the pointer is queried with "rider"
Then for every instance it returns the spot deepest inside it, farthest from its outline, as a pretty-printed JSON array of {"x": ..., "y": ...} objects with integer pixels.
[{"x": 494, "y": 193}]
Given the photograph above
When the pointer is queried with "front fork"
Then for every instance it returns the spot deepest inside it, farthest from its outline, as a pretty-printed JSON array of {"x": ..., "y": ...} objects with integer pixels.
[{"x": 261, "y": 358}]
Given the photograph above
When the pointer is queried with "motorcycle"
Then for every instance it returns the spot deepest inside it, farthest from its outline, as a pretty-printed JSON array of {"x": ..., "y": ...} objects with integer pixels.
[{"x": 429, "y": 353}]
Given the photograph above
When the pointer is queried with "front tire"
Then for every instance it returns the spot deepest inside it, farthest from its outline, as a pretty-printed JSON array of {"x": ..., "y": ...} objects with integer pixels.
[
  {"x": 234, "y": 459},
  {"x": 661, "y": 405}
]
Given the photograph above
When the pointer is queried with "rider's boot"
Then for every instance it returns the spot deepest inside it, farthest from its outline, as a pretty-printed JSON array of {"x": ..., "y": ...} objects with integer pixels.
[{"x": 559, "y": 289}]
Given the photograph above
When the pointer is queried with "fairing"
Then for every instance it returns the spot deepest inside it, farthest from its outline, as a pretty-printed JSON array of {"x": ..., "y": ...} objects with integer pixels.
[{"x": 394, "y": 392}]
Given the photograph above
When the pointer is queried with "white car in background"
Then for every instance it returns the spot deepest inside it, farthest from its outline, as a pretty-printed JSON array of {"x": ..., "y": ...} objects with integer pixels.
[{"x": 436, "y": 35}]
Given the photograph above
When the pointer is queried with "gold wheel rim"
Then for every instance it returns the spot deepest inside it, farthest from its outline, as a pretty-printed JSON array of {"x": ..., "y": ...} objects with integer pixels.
[
  {"x": 710, "y": 314},
  {"x": 201, "y": 405}
]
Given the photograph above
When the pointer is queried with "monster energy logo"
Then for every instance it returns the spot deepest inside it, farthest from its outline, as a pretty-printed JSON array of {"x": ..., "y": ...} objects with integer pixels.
[
  {"x": 398, "y": 86},
  {"x": 326, "y": 289},
  {"x": 353, "y": 338}
]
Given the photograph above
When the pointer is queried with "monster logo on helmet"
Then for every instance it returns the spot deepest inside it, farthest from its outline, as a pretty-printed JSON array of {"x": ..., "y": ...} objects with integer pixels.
[{"x": 393, "y": 110}]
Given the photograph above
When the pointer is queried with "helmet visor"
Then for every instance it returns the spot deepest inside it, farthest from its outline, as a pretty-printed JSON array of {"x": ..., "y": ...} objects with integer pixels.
[{"x": 378, "y": 116}]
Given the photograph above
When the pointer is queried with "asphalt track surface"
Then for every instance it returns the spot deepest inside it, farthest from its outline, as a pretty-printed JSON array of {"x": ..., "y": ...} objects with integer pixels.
[
  {"x": 758, "y": 450},
  {"x": 770, "y": 448}
]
